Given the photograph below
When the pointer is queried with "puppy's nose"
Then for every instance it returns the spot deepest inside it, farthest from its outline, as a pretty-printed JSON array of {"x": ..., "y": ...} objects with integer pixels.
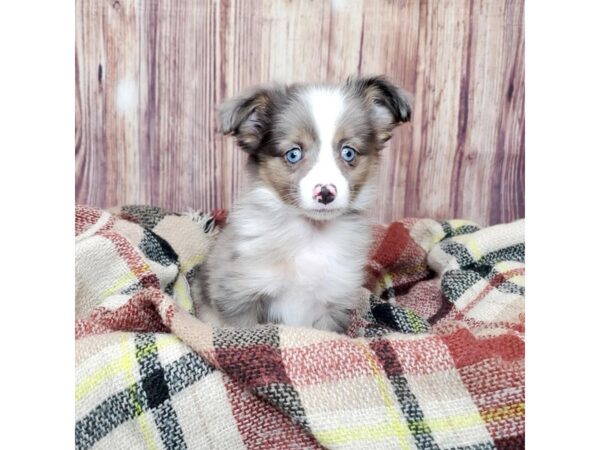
[{"x": 324, "y": 193}]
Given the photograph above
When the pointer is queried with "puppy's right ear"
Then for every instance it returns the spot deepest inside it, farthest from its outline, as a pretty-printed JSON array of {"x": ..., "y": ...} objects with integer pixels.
[{"x": 249, "y": 116}]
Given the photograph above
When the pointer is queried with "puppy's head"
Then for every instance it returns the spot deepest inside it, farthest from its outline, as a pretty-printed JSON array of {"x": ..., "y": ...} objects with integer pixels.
[{"x": 317, "y": 146}]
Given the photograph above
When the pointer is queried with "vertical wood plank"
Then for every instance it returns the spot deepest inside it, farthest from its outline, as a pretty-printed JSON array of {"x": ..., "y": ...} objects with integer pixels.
[
  {"x": 121, "y": 97},
  {"x": 489, "y": 137},
  {"x": 441, "y": 49},
  {"x": 186, "y": 90},
  {"x": 507, "y": 199},
  {"x": 390, "y": 33},
  {"x": 294, "y": 42},
  {"x": 90, "y": 67},
  {"x": 343, "y": 31}
]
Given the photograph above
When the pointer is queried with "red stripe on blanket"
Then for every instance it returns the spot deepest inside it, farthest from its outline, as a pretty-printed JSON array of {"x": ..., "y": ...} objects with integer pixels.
[
  {"x": 424, "y": 298},
  {"x": 396, "y": 249},
  {"x": 422, "y": 356},
  {"x": 140, "y": 313},
  {"x": 263, "y": 426},
  {"x": 498, "y": 389},
  {"x": 324, "y": 362},
  {"x": 466, "y": 349},
  {"x": 511, "y": 443},
  {"x": 392, "y": 245},
  {"x": 502, "y": 325},
  {"x": 497, "y": 280},
  {"x": 87, "y": 216},
  {"x": 131, "y": 256},
  {"x": 252, "y": 366}
]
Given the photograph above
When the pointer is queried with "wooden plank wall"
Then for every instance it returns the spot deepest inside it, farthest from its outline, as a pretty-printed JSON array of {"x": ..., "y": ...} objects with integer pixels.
[{"x": 150, "y": 73}]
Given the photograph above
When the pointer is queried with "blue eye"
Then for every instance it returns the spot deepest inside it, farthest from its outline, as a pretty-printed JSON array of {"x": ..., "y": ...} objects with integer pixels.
[
  {"x": 294, "y": 155},
  {"x": 348, "y": 153}
]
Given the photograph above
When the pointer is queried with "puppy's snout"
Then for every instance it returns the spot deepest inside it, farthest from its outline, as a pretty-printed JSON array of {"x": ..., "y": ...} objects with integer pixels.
[{"x": 324, "y": 193}]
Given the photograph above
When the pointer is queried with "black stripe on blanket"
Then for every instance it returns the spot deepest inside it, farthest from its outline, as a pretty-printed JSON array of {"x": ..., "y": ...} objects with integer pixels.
[
  {"x": 157, "y": 392},
  {"x": 462, "y": 229},
  {"x": 456, "y": 282},
  {"x": 157, "y": 249},
  {"x": 146, "y": 216},
  {"x": 152, "y": 392},
  {"x": 421, "y": 432}
]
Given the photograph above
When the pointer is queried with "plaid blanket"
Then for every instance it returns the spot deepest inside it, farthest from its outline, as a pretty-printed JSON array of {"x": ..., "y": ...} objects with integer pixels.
[{"x": 433, "y": 359}]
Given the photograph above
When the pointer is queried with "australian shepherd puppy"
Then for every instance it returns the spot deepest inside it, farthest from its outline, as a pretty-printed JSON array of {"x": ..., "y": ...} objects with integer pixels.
[{"x": 297, "y": 241}]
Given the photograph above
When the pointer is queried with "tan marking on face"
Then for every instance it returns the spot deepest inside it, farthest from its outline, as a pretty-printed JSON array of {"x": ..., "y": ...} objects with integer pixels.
[{"x": 284, "y": 177}]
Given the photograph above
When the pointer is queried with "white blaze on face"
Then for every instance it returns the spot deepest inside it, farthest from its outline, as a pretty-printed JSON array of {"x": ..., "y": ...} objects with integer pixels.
[{"x": 326, "y": 106}]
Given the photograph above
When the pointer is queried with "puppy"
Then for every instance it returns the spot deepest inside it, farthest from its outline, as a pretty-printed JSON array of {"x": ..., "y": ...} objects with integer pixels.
[{"x": 297, "y": 240}]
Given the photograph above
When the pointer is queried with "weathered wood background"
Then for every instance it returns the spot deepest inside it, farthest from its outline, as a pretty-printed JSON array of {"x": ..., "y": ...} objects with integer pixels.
[{"x": 150, "y": 73}]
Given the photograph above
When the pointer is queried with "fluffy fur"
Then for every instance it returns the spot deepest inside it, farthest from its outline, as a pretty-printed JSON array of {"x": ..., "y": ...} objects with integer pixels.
[{"x": 292, "y": 252}]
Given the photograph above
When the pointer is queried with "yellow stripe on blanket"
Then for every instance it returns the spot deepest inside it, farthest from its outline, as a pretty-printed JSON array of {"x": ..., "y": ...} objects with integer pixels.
[
  {"x": 123, "y": 281},
  {"x": 473, "y": 247},
  {"x": 126, "y": 364},
  {"x": 457, "y": 223},
  {"x": 504, "y": 412},
  {"x": 414, "y": 322},
  {"x": 459, "y": 422},
  {"x": 182, "y": 294},
  {"x": 192, "y": 262},
  {"x": 398, "y": 428},
  {"x": 451, "y": 423},
  {"x": 387, "y": 281},
  {"x": 340, "y": 436}
]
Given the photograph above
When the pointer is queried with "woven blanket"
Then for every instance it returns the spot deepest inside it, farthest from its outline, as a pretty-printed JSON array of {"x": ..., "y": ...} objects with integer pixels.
[{"x": 433, "y": 359}]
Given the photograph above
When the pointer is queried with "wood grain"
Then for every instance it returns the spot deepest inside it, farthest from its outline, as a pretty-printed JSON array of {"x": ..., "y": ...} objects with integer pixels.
[{"x": 150, "y": 73}]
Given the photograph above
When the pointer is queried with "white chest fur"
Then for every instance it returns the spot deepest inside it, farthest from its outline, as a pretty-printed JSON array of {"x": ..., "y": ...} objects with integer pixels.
[
  {"x": 324, "y": 269},
  {"x": 303, "y": 267}
]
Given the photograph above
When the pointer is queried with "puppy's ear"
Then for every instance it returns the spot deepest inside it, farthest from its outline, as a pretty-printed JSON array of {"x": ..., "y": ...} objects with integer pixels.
[
  {"x": 389, "y": 104},
  {"x": 249, "y": 116}
]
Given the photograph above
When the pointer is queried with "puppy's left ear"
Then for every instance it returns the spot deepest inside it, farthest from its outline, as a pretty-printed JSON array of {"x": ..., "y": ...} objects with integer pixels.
[{"x": 390, "y": 105}]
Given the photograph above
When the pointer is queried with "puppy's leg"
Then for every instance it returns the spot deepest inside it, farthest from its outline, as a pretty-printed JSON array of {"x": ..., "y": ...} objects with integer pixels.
[
  {"x": 219, "y": 305},
  {"x": 336, "y": 319},
  {"x": 243, "y": 311}
]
